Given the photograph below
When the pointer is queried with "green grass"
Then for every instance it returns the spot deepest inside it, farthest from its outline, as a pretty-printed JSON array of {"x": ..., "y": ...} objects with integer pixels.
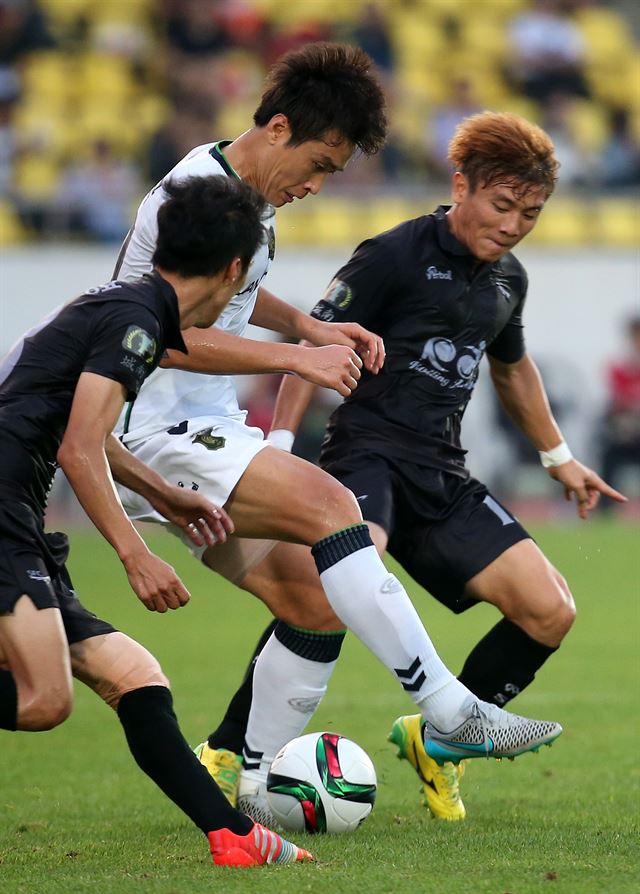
[{"x": 77, "y": 816}]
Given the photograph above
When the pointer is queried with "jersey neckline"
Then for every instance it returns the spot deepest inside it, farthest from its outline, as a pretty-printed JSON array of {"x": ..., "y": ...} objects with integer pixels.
[{"x": 217, "y": 152}]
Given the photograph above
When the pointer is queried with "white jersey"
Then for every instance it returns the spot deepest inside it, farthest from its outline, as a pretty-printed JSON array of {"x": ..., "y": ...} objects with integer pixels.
[{"x": 169, "y": 396}]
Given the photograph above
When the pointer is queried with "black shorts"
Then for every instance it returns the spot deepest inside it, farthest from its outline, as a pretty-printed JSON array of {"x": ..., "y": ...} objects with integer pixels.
[
  {"x": 443, "y": 529},
  {"x": 33, "y": 563}
]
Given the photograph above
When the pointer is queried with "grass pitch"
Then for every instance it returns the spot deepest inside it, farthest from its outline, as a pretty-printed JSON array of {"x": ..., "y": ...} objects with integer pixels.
[{"x": 76, "y": 815}]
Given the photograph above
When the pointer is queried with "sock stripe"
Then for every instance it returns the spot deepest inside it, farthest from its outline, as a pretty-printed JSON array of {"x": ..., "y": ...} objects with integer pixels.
[
  {"x": 324, "y": 647},
  {"x": 332, "y": 549}
]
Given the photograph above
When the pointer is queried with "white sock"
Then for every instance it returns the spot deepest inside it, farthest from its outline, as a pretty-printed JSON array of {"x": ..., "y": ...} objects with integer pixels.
[
  {"x": 375, "y": 606},
  {"x": 287, "y": 689}
]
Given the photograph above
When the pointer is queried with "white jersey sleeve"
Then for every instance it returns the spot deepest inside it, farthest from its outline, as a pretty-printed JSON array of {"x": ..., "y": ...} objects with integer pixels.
[{"x": 168, "y": 397}]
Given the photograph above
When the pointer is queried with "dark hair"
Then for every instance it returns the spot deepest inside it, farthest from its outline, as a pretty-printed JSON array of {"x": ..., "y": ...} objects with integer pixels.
[
  {"x": 323, "y": 87},
  {"x": 205, "y": 223},
  {"x": 493, "y": 147}
]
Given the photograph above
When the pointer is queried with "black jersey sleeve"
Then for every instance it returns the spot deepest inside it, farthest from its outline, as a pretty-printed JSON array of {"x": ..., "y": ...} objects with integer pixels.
[
  {"x": 360, "y": 288},
  {"x": 509, "y": 345},
  {"x": 126, "y": 344}
]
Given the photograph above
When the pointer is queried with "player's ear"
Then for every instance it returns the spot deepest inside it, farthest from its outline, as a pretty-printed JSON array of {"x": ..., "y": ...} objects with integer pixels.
[
  {"x": 235, "y": 273},
  {"x": 459, "y": 187},
  {"x": 278, "y": 129}
]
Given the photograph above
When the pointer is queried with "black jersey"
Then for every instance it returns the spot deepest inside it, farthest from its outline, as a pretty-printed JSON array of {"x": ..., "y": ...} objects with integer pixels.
[
  {"x": 118, "y": 331},
  {"x": 438, "y": 310}
]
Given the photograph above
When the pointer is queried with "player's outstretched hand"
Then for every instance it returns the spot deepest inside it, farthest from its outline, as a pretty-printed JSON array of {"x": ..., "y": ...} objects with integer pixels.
[
  {"x": 154, "y": 582},
  {"x": 585, "y": 484},
  {"x": 202, "y": 521},
  {"x": 367, "y": 344},
  {"x": 334, "y": 366}
]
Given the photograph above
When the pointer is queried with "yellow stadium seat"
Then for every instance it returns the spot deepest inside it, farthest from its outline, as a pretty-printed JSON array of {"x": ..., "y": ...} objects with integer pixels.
[
  {"x": 11, "y": 230},
  {"x": 105, "y": 77},
  {"x": 588, "y": 125},
  {"x": 48, "y": 77},
  {"x": 617, "y": 223},
  {"x": 36, "y": 177},
  {"x": 607, "y": 35},
  {"x": 566, "y": 222}
]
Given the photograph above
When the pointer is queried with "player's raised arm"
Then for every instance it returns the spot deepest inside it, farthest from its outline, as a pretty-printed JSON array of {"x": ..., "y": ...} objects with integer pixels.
[
  {"x": 273, "y": 313},
  {"x": 522, "y": 393},
  {"x": 96, "y": 405},
  {"x": 216, "y": 352}
]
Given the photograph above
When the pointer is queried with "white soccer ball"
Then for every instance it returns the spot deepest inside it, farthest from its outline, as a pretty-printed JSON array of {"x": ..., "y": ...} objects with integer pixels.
[{"x": 321, "y": 782}]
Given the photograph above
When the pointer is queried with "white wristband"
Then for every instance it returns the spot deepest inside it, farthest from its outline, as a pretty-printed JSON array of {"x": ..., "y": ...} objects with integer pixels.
[
  {"x": 557, "y": 456},
  {"x": 282, "y": 439}
]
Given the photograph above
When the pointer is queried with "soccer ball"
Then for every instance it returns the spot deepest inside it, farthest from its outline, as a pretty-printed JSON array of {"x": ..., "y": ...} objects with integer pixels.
[{"x": 321, "y": 782}]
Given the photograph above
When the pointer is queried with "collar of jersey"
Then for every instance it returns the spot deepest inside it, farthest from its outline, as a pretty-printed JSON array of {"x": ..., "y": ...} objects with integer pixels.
[
  {"x": 447, "y": 240},
  {"x": 217, "y": 152}
]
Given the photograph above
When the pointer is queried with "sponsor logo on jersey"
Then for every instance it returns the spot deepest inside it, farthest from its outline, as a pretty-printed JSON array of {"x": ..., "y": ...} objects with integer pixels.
[
  {"x": 107, "y": 287},
  {"x": 339, "y": 294},
  {"x": 140, "y": 343},
  {"x": 434, "y": 273},
  {"x": 208, "y": 439},
  {"x": 271, "y": 243},
  {"x": 451, "y": 366},
  {"x": 35, "y": 574}
]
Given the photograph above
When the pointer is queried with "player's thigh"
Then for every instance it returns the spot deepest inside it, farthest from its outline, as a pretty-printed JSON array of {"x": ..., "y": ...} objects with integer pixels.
[
  {"x": 113, "y": 664},
  {"x": 528, "y": 590},
  {"x": 287, "y": 581},
  {"x": 34, "y": 648},
  {"x": 287, "y": 498}
]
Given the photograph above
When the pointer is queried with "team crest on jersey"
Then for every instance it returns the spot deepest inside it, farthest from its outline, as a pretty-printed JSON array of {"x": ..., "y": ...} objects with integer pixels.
[
  {"x": 209, "y": 440},
  {"x": 140, "y": 343},
  {"x": 339, "y": 294},
  {"x": 271, "y": 243}
]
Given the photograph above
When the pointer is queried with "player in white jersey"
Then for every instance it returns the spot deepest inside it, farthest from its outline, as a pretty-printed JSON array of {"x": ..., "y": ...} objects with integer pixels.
[{"x": 321, "y": 103}]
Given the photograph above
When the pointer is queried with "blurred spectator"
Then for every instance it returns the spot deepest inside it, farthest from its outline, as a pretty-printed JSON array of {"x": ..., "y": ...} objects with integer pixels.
[
  {"x": 23, "y": 29},
  {"x": 620, "y": 441},
  {"x": 547, "y": 52},
  {"x": 9, "y": 94},
  {"x": 371, "y": 33},
  {"x": 95, "y": 197},
  {"x": 443, "y": 122},
  {"x": 619, "y": 165},
  {"x": 577, "y": 166},
  {"x": 191, "y": 123},
  {"x": 195, "y": 27}
]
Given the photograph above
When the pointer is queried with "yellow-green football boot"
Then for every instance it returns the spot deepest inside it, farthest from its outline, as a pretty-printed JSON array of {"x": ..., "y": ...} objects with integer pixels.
[
  {"x": 440, "y": 784},
  {"x": 224, "y": 766}
]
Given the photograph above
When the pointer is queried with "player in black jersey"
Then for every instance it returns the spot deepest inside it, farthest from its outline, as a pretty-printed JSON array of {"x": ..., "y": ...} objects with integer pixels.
[
  {"x": 442, "y": 291},
  {"x": 62, "y": 388}
]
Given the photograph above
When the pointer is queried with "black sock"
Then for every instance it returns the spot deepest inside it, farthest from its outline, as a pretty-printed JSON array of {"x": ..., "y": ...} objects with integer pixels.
[
  {"x": 8, "y": 701},
  {"x": 162, "y": 752},
  {"x": 503, "y": 663},
  {"x": 231, "y": 732}
]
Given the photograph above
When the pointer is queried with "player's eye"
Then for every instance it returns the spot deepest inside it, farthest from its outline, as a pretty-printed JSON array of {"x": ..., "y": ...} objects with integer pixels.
[
  {"x": 500, "y": 208},
  {"x": 318, "y": 167}
]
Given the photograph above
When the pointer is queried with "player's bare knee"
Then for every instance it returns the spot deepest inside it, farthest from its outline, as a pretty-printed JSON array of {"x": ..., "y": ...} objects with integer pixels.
[
  {"x": 45, "y": 709},
  {"x": 565, "y": 613},
  {"x": 338, "y": 508},
  {"x": 135, "y": 669}
]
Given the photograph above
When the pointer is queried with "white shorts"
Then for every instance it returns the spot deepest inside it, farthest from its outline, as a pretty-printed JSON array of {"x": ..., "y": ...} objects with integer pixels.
[{"x": 209, "y": 456}]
